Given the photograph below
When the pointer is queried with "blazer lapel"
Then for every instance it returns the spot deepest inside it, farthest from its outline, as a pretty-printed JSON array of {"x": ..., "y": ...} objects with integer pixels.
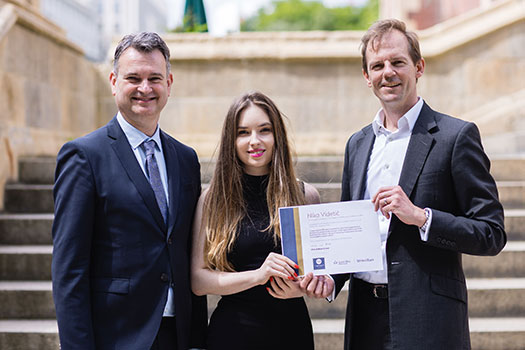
[
  {"x": 121, "y": 146},
  {"x": 361, "y": 157},
  {"x": 418, "y": 148},
  {"x": 173, "y": 171}
]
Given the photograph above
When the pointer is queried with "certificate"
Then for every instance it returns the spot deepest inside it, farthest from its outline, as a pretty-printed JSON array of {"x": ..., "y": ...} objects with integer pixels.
[{"x": 332, "y": 238}]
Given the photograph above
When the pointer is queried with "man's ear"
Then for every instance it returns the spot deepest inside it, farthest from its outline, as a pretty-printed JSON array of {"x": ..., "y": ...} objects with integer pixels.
[
  {"x": 170, "y": 82},
  {"x": 365, "y": 75},
  {"x": 420, "y": 68},
  {"x": 113, "y": 82}
]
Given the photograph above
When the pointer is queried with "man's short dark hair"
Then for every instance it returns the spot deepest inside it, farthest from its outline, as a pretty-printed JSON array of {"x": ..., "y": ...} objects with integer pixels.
[{"x": 143, "y": 42}]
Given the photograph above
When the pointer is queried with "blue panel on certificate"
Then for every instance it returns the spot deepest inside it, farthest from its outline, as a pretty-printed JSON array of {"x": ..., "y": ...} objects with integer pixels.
[
  {"x": 289, "y": 239},
  {"x": 332, "y": 238}
]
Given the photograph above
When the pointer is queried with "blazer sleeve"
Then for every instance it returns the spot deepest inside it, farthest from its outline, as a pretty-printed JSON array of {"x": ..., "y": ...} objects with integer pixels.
[
  {"x": 477, "y": 226},
  {"x": 340, "y": 279},
  {"x": 345, "y": 181},
  {"x": 74, "y": 194},
  {"x": 199, "y": 310}
]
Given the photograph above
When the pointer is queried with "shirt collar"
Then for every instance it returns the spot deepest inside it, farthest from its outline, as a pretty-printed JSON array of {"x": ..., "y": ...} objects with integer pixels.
[
  {"x": 405, "y": 123},
  {"x": 135, "y": 136}
]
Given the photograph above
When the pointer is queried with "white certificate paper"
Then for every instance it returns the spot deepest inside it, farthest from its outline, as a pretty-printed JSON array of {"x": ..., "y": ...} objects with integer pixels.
[{"x": 332, "y": 238}]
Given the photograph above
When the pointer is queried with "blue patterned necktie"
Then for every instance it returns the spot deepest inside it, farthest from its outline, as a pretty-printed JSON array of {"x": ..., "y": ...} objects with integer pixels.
[{"x": 154, "y": 177}]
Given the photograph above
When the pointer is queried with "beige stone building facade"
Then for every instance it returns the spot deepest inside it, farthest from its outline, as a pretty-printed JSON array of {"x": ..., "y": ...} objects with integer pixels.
[{"x": 50, "y": 93}]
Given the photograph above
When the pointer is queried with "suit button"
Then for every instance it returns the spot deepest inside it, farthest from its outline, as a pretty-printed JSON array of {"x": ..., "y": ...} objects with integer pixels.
[
  {"x": 164, "y": 277},
  {"x": 170, "y": 241}
]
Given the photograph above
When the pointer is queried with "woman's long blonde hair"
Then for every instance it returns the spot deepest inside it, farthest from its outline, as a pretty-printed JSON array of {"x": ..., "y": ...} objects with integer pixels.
[{"x": 224, "y": 206}]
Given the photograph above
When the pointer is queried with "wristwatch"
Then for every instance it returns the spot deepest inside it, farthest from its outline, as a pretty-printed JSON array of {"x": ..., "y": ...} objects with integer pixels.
[{"x": 425, "y": 225}]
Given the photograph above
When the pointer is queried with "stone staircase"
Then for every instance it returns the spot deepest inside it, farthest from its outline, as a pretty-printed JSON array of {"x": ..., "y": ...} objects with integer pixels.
[
  {"x": 27, "y": 315},
  {"x": 27, "y": 319}
]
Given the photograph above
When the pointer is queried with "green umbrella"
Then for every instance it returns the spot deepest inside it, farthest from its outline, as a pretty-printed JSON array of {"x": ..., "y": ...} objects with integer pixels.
[{"x": 195, "y": 16}]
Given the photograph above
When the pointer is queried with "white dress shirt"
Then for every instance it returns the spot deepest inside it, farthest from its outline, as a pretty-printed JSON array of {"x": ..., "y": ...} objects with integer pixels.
[
  {"x": 384, "y": 169},
  {"x": 136, "y": 138}
]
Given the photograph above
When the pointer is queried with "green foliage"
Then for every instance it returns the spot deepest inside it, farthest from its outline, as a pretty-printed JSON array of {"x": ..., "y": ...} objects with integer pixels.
[
  {"x": 189, "y": 26},
  {"x": 311, "y": 15}
]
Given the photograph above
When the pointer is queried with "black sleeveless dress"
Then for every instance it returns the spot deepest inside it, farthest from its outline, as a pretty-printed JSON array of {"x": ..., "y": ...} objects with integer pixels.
[{"x": 253, "y": 319}]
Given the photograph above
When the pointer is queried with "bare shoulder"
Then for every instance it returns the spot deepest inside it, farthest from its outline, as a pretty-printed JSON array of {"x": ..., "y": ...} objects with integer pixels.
[
  {"x": 203, "y": 195},
  {"x": 311, "y": 194}
]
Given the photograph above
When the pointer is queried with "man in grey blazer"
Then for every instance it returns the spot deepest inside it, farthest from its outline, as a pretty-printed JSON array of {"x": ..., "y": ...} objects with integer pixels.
[{"x": 428, "y": 177}]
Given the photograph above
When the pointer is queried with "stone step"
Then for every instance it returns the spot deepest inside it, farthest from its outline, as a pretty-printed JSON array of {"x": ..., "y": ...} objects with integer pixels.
[
  {"x": 515, "y": 224},
  {"x": 24, "y": 198},
  {"x": 497, "y": 333},
  {"x": 29, "y": 334},
  {"x": 508, "y": 167},
  {"x": 496, "y": 297},
  {"x": 512, "y": 194},
  {"x": 487, "y": 298},
  {"x": 26, "y": 300},
  {"x": 31, "y": 198},
  {"x": 25, "y": 262},
  {"x": 499, "y": 297},
  {"x": 18, "y": 229},
  {"x": 328, "y": 169},
  {"x": 36, "y": 170},
  {"x": 324, "y": 169},
  {"x": 509, "y": 263},
  {"x": 329, "y": 192},
  {"x": 33, "y": 262},
  {"x": 40, "y": 170},
  {"x": 485, "y": 333}
]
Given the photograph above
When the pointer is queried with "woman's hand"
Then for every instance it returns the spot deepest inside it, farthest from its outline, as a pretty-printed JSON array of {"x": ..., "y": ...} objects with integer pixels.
[
  {"x": 284, "y": 288},
  {"x": 276, "y": 265}
]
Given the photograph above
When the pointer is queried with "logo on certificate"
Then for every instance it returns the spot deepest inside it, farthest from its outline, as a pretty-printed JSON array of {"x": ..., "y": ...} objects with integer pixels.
[{"x": 319, "y": 264}]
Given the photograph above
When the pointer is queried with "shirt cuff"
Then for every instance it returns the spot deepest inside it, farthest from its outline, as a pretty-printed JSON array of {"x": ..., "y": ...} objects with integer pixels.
[
  {"x": 331, "y": 297},
  {"x": 424, "y": 233}
]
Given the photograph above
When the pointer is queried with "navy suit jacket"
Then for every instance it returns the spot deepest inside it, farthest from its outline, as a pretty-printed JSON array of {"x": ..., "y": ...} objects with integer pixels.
[
  {"x": 113, "y": 255},
  {"x": 445, "y": 169}
]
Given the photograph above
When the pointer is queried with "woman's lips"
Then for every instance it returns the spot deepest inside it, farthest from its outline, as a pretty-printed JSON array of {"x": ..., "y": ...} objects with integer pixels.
[{"x": 256, "y": 153}]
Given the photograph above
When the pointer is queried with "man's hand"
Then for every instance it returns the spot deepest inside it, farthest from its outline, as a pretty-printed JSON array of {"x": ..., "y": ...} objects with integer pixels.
[
  {"x": 284, "y": 288},
  {"x": 317, "y": 286},
  {"x": 393, "y": 200}
]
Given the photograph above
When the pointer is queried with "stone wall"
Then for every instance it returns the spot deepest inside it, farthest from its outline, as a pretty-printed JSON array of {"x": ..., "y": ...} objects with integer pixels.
[
  {"x": 315, "y": 78},
  {"x": 49, "y": 91}
]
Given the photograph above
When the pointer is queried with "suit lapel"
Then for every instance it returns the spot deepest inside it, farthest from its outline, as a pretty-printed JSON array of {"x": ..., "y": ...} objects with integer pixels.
[
  {"x": 173, "y": 172},
  {"x": 361, "y": 157},
  {"x": 121, "y": 146},
  {"x": 418, "y": 148}
]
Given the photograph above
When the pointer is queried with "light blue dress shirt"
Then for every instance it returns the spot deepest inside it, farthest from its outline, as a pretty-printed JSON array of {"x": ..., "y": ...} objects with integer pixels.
[{"x": 136, "y": 138}]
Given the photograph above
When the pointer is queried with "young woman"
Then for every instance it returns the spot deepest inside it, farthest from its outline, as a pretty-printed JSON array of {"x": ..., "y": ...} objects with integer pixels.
[{"x": 236, "y": 244}]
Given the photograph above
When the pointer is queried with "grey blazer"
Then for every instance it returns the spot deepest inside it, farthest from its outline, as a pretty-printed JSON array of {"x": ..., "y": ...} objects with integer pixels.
[{"x": 445, "y": 169}]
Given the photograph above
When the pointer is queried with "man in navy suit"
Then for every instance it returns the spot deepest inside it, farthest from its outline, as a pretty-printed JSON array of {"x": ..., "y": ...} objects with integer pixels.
[
  {"x": 124, "y": 201},
  {"x": 428, "y": 177}
]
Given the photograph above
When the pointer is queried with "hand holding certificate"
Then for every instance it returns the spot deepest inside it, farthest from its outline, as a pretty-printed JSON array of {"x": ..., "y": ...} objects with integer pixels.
[{"x": 332, "y": 238}]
